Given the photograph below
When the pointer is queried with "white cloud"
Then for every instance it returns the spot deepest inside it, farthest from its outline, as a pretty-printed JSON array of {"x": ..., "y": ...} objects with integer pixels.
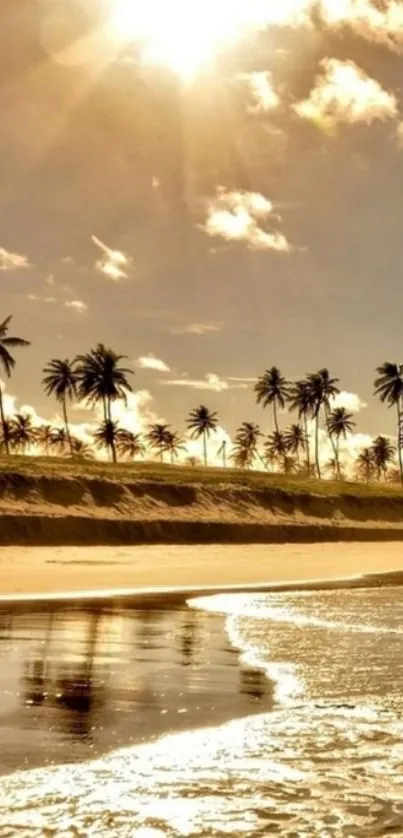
[
  {"x": 12, "y": 261},
  {"x": 150, "y": 362},
  {"x": 112, "y": 262},
  {"x": 351, "y": 401},
  {"x": 381, "y": 22},
  {"x": 261, "y": 88},
  {"x": 399, "y": 135},
  {"x": 211, "y": 381},
  {"x": 77, "y": 305},
  {"x": 239, "y": 216},
  {"x": 345, "y": 93},
  {"x": 50, "y": 280},
  {"x": 195, "y": 329}
]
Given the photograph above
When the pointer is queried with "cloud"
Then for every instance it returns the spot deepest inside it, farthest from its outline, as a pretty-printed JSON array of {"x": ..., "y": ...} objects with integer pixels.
[
  {"x": 195, "y": 329},
  {"x": 261, "y": 88},
  {"x": 50, "y": 280},
  {"x": 399, "y": 135},
  {"x": 211, "y": 381},
  {"x": 150, "y": 362},
  {"x": 77, "y": 305},
  {"x": 12, "y": 261},
  {"x": 239, "y": 216},
  {"x": 345, "y": 93},
  {"x": 382, "y": 23},
  {"x": 351, "y": 401},
  {"x": 112, "y": 262}
]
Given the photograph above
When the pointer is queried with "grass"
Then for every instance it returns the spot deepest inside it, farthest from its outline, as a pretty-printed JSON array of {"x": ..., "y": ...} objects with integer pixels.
[{"x": 177, "y": 475}]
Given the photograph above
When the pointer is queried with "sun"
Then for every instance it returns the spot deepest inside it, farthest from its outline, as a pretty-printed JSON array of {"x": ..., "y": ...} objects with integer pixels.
[
  {"x": 178, "y": 33},
  {"x": 185, "y": 35}
]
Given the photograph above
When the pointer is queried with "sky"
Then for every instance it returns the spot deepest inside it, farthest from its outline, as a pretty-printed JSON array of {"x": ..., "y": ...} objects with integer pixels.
[{"x": 209, "y": 193}]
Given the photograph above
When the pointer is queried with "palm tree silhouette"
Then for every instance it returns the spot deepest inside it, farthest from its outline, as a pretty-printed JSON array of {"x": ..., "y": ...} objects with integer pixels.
[
  {"x": 61, "y": 381},
  {"x": 81, "y": 450},
  {"x": 389, "y": 388},
  {"x": 201, "y": 421},
  {"x": 130, "y": 445},
  {"x": 158, "y": 437},
  {"x": 45, "y": 437},
  {"x": 23, "y": 433},
  {"x": 322, "y": 388},
  {"x": 59, "y": 441},
  {"x": 276, "y": 449},
  {"x": 295, "y": 440},
  {"x": 340, "y": 423},
  {"x": 174, "y": 445},
  {"x": 272, "y": 388},
  {"x": 7, "y": 363},
  {"x": 101, "y": 378},
  {"x": 222, "y": 452},
  {"x": 246, "y": 441},
  {"x": 107, "y": 436},
  {"x": 300, "y": 399},
  {"x": 365, "y": 465},
  {"x": 383, "y": 453}
]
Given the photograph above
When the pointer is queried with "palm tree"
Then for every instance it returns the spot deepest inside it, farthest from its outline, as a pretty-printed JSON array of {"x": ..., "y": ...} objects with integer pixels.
[
  {"x": 45, "y": 437},
  {"x": 272, "y": 388},
  {"x": 295, "y": 440},
  {"x": 276, "y": 448},
  {"x": 340, "y": 423},
  {"x": 322, "y": 388},
  {"x": 300, "y": 399},
  {"x": 246, "y": 441},
  {"x": 81, "y": 450},
  {"x": 23, "y": 432},
  {"x": 222, "y": 451},
  {"x": 130, "y": 445},
  {"x": 174, "y": 445},
  {"x": 240, "y": 456},
  {"x": 389, "y": 388},
  {"x": 7, "y": 364},
  {"x": 158, "y": 437},
  {"x": 383, "y": 453},
  {"x": 365, "y": 465},
  {"x": 6, "y": 436},
  {"x": 101, "y": 378},
  {"x": 107, "y": 436},
  {"x": 59, "y": 441},
  {"x": 61, "y": 381},
  {"x": 201, "y": 421}
]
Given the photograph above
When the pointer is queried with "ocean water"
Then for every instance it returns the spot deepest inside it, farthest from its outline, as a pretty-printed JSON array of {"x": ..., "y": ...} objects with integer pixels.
[{"x": 282, "y": 714}]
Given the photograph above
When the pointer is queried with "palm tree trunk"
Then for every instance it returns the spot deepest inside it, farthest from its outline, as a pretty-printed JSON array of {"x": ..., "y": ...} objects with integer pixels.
[
  {"x": 4, "y": 424},
  {"x": 172, "y": 458},
  {"x": 161, "y": 455},
  {"x": 66, "y": 425},
  {"x": 399, "y": 446},
  {"x": 332, "y": 442},
  {"x": 308, "y": 459},
  {"x": 224, "y": 454},
  {"x": 337, "y": 446},
  {"x": 275, "y": 420},
  {"x": 317, "y": 445},
  {"x": 205, "y": 447}
]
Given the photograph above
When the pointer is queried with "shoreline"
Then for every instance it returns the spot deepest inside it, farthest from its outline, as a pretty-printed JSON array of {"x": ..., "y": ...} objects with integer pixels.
[{"x": 148, "y": 577}]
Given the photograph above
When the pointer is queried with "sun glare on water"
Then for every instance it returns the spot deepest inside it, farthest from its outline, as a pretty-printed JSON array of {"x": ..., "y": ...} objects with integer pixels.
[{"x": 186, "y": 35}]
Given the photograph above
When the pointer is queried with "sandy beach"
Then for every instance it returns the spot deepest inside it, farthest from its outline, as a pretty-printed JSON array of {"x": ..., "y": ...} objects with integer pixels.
[{"x": 61, "y": 571}]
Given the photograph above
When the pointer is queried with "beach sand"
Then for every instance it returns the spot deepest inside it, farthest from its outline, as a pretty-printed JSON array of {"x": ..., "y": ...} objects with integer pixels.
[{"x": 47, "y": 571}]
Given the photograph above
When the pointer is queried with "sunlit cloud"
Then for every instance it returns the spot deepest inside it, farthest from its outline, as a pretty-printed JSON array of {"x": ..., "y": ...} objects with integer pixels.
[
  {"x": 11, "y": 261},
  {"x": 351, "y": 401},
  {"x": 76, "y": 305},
  {"x": 263, "y": 94},
  {"x": 150, "y": 362},
  {"x": 112, "y": 262},
  {"x": 244, "y": 217},
  {"x": 211, "y": 381},
  {"x": 382, "y": 23},
  {"x": 196, "y": 329},
  {"x": 345, "y": 93}
]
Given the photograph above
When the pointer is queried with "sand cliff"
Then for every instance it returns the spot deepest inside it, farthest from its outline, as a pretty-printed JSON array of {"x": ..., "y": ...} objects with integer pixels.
[{"x": 48, "y": 509}]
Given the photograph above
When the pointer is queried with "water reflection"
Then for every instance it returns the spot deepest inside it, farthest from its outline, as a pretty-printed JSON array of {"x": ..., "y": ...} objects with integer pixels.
[{"x": 75, "y": 682}]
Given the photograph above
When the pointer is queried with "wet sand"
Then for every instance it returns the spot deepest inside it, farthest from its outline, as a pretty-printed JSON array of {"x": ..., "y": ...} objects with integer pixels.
[{"x": 53, "y": 572}]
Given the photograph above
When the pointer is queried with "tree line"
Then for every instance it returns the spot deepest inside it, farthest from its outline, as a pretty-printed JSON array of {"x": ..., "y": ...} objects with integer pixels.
[{"x": 100, "y": 378}]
